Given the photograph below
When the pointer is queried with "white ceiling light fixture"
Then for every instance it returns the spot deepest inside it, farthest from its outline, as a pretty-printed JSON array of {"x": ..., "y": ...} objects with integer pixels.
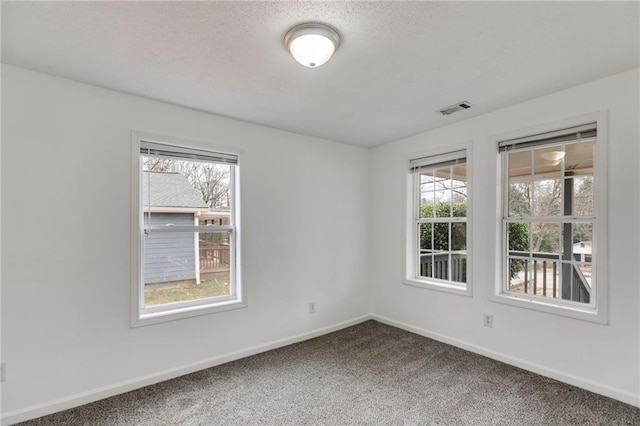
[
  {"x": 552, "y": 158},
  {"x": 312, "y": 44}
]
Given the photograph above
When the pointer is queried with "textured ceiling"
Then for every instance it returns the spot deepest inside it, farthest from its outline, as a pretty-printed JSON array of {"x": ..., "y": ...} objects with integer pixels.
[{"x": 398, "y": 62}]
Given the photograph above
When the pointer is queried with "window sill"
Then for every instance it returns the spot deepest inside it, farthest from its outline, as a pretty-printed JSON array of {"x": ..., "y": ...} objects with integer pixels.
[
  {"x": 442, "y": 286},
  {"x": 576, "y": 312},
  {"x": 186, "y": 312}
]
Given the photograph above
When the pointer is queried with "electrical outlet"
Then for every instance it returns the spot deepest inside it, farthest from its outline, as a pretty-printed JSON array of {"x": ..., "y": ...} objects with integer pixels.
[
  {"x": 3, "y": 372},
  {"x": 312, "y": 308},
  {"x": 487, "y": 320}
]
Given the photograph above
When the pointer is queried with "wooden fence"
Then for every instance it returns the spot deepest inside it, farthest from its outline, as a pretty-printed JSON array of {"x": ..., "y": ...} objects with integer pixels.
[{"x": 213, "y": 256}]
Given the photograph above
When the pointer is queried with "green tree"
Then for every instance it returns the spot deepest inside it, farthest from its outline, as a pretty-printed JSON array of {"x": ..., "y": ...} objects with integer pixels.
[
  {"x": 518, "y": 232},
  {"x": 518, "y": 241},
  {"x": 441, "y": 230}
]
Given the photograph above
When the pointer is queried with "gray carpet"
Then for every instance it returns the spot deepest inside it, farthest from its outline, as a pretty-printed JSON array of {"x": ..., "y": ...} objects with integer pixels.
[{"x": 369, "y": 374}]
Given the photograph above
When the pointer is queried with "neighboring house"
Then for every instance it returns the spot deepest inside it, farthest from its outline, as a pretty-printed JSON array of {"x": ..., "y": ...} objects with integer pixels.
[
  {"x": 214, "y": 246},
  {"x": 172, "y": 200},
  {"x": 583, "y": 249}
]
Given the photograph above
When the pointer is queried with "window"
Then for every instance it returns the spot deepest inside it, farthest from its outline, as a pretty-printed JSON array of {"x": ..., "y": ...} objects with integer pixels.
[
  {"x": 550, "y": 222},
  {"x": 187, "y": 235},
  {"x": 437, "y": 234}
]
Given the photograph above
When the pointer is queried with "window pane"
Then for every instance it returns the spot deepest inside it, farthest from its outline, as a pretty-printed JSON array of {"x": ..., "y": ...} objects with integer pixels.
[
  {"x": 548, "y": 161},
  {"x": 546, "y": 197},
  {"x": 518, "y": 238},
  {"x": 443, "y": 178},
  {"x": 425, "y": 255},
  {"x": 459, "y": 252},
  {"x": 459, "y": 267},
  {"x": 427, "y": 181},
  {"x": 545, "y": 278},
  {"x": 576, "y": 285},
  {"x": 458, "y": 236},
  {"x": 426, "y": 266},
  {"x": 441, "y": 266},
  {"x": 426, "y": 237},
  {"x": 585, "y": 271},
  {"x": 440, "y": 260},
  {"x": 583, "y": 196},
  {"x": 519, "y": 199},
  {"x": 579, "y": 158},
  {"x": 459, "y": 202},
  {"x": 459, "y": 190},
  {"x": 443, "y": 203},
  {"x": 459, "y": 197},
  {"x": 519, "y": 275},
  {"x": 520, "y": 166},
  {"x": 582, "y": 242},
  {"x": 441, "y": 237},
  {"x": 546, "y": 238},
  {"x": 426, "y": 204},
  {"x": 459, "y": 176},
  {"x": 182, "y": 266}
]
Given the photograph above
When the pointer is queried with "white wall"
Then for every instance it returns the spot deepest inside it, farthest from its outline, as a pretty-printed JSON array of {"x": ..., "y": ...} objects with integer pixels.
[
  {"x": 66, "y": 242},
  {"x": 604, "y": 358},
  {"x": 311, "y": 210}
]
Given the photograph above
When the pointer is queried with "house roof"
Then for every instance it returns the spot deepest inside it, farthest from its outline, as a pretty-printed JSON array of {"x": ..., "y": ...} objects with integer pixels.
[
  {"x": 583, "y": 247},
  {"x": 170, "y": 190}
]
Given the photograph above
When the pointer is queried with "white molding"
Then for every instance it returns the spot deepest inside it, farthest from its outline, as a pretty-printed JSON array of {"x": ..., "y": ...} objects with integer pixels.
[
  {"x": 410, "y": 240},
  {"x": 445, "y": 286},
  {"x": 142, "y": 135},
  {"x": 598, "y": 310},
  {"x": 82, "y": 398},
  {"x": 140, "y": 316},
  {"x": 599, "y": 388}
]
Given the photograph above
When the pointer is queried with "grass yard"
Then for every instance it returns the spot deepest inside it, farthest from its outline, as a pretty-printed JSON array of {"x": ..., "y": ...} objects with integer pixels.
[{"x": 161, "y": 296}]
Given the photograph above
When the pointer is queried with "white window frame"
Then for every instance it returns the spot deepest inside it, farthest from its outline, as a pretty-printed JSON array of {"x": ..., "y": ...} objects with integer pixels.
[
  {"x": 141, "y": 316},
  {"x": 411, "y": 180},
  {"x": 597, "y": 310}
]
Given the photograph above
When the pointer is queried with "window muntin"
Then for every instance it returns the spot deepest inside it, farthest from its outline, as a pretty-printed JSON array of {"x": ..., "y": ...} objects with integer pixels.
[
  {"x": 548, "y": 217},
  {"x": 440, "y": 220},
  {"x": 188, "y": 251}
]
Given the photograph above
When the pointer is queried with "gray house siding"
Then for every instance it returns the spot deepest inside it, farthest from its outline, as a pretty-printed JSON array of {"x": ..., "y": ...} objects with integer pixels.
[{"x": 169, "y": 257}]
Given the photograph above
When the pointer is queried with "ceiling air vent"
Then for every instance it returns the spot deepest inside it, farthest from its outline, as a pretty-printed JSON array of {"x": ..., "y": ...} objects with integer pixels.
[{"x": 455, "y": 108}]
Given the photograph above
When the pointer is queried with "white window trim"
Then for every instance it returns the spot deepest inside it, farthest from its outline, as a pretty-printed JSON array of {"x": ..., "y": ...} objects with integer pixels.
[
  {"x": 597, "y": 312},
  {"x": 186, "y": 309},
  {"x": 409, "y": 276}
]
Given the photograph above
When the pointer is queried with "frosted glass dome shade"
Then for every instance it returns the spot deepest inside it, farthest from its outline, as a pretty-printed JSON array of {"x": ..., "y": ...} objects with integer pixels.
[
  {"x": 552, "y": 158},
  {"x": 312, "y": 44}
]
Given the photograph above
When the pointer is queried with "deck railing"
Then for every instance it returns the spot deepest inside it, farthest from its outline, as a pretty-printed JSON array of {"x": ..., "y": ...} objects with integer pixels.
[
  {"x": 580, "y": 288},
  {"x": 576, "y": 287},
  {"x": 436, "y": 265},
  {"x": 213, "y": 255}
]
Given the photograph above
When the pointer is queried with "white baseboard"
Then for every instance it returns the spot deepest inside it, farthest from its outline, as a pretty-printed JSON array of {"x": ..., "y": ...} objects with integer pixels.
[
  {"x": 78, "y": 399},
  {"x": 82, "y": 398},
  {"x": 620, "y": 395}
]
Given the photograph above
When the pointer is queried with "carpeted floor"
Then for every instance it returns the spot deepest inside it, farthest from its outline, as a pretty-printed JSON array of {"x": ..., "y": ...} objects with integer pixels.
[{"x": 369, "y": 374}]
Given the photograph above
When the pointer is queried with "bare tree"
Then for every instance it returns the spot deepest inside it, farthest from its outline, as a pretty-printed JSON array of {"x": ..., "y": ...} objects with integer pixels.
[
  {"x": 156, "y": 164},
  {"x": 210, "y": 179},
  {"x": 547, "y": 201}
]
